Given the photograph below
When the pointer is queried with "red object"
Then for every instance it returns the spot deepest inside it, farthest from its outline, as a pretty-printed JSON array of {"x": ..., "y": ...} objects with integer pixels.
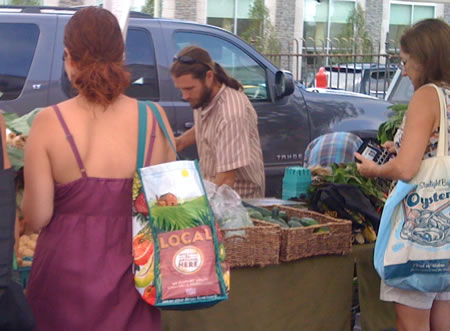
[
  {"x": 140, "y": 204},
  {"x": 321, "y": 78}
]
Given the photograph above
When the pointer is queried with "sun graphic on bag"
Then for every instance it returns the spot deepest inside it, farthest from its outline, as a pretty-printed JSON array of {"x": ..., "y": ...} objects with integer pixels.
[{"x": 184, "y": 173}]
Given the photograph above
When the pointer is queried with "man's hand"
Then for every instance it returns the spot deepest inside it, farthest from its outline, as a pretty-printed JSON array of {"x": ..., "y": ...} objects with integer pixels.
[
  {"x": 227, "y": 177},
  {"x": 185, "y": 140}
]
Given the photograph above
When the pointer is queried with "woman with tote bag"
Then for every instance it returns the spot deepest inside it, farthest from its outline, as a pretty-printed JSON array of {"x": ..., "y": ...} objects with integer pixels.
[{"x": 421, "y": 296}]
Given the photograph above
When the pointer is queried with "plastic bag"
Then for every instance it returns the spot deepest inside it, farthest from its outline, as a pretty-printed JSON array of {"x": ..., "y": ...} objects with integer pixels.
[{"x": 227, "y": 208}]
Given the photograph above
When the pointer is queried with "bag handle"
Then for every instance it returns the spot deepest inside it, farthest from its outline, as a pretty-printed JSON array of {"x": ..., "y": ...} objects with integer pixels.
[
  {"x": 142, "y": 134},
  {"x": 442, "y": 149},
  {"x": 161, "y": 123}
]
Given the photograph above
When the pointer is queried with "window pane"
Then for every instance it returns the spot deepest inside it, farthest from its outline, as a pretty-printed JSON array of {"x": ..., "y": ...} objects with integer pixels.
[
  {"x": 140, "y": 61},
  {"x": 220, "y": 8},
  {"x": 400, "y": 14},
  {"x": 315, "y": 11},
  {"x": 19, "y": 43},
  {"x": 422, "y": 12},
  {"x": 341, "y": 10},
  {"x": 221, "y": 22},
  {"x": 244, "y": 8},
  {"x": 340, "y": 29},
  {"x": 235, "y": 61}
]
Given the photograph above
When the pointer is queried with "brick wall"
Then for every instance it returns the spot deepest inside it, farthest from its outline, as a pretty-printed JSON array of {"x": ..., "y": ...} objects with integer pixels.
[
  {"x": 374, "y": 17},
  {"x": 186, "y": 10},
  {"x": 284, "y": 27},
  {"x": 447, "y": 13}
]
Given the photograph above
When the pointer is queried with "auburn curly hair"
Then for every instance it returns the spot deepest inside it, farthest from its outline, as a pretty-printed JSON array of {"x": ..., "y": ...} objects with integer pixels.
[{"x": 95, "y": 43}]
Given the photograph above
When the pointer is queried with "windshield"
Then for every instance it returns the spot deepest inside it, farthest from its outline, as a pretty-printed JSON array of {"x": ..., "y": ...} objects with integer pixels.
[{"x": 401, "y": 91}]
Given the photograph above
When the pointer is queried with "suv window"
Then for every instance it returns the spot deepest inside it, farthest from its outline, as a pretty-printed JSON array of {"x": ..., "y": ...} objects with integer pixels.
[
  {"x": 18, "y": 42},
  {"x": 140, "y": 61},
  {"x": 235, "y": 61}
]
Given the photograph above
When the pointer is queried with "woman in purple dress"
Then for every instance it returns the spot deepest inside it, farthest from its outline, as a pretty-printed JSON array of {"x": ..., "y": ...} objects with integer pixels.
[{"x": 80, "y": 158}]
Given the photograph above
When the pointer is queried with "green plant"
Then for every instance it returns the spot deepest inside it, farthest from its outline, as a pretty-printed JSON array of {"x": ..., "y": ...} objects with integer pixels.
[
  {"x": 387, "y": 130},
  {"x": 356, "y": 35},
  {"x": 374, "y": 188},
  {"x": 149, "y": 7},
  {"x": 260, "y": 32},
  {"x": 185, "y": 215},
  {"x": 24, "y": 2}
]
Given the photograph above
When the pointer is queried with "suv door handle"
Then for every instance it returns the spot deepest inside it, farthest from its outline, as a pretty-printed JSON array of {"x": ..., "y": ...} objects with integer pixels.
[{"x": 188, "y": 125}]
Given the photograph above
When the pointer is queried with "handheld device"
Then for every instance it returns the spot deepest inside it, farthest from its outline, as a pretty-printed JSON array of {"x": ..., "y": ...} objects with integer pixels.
[{"x": 373, "y": 151}]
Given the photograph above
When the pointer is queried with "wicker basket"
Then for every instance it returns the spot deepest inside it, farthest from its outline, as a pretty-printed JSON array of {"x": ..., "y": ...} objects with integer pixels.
[
  {"x": 257, "y": 246},
  {"x": 297, "y": 243}
]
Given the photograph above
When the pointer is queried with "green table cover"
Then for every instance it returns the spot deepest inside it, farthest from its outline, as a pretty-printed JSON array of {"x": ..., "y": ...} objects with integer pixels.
[{"x": 308, "y": 294}]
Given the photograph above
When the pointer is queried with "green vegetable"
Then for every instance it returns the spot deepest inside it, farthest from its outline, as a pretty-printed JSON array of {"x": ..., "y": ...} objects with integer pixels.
[
  {"x": 294, "y": 224},
  {"x": 278, "y": 221},
  {"x": 275, "y": 212},
  {"x": 284, "y": 216},
  {"x": 307, "y": 221},
  {"x": 263, "y": 211},
  {"x": 387, "y": 130},
  {"x": 254, "y": 213},
  {"x": 322, "y": 229}
]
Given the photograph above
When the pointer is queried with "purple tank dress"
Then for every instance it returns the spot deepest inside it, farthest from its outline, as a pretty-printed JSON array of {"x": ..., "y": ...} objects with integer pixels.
[{"x": 81, "y": 278}]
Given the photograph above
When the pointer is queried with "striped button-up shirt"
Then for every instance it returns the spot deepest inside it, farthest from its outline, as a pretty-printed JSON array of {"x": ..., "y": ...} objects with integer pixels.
[{"x": 227, "y": 138}]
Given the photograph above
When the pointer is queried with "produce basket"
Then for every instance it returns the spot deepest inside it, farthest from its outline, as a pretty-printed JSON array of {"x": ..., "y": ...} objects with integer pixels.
[
  {"x": 252, "y": 246},
  {"x": 300, "y": 242}
]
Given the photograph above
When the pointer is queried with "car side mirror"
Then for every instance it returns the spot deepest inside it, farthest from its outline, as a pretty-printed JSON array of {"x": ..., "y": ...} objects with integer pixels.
[{"x": 284, "y": 84}]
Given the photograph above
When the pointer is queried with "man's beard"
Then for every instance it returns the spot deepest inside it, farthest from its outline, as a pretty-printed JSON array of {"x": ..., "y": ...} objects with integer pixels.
[{"x": 205, "y": 98}]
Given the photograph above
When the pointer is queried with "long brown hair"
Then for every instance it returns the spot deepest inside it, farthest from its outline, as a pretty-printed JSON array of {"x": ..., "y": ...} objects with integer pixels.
[
  {"x": 95, "y": 43},
  {"x": 428, "y": 42},
  {"x": 196, "y": 61}
]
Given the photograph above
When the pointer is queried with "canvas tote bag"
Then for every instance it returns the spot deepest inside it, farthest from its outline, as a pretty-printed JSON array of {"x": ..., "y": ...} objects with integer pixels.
[
  {"x": 179, "y": 257},
  {"x": 412, "y": 251}
]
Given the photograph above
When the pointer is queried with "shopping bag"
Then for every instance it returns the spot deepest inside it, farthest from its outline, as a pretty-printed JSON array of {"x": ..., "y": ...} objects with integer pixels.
[
  {"x": 412, "y": 251},
  {"x": 179, "y": 257}
]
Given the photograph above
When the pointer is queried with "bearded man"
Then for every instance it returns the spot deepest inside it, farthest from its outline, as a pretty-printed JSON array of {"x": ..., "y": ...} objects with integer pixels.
[{"x": 225, "y": 123}]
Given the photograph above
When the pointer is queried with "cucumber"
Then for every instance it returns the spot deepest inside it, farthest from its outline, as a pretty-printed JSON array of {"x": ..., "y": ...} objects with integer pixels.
[
  {"x": 284, "y": 216},
  {"x": 263, "y": 211},
  {"x": 254, "y": 213},
  {"x": 308, "y": 221},
  {"x": 280, "y": 222},
  {"x": 295, "y": 224},
  {"x": 275, "y": 212},
  {"x": 324, "y": 229}
]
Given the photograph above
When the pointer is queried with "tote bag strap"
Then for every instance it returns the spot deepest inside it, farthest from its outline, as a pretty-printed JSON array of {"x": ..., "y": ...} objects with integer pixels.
[
  {"x": 142, "y": 134},
  {"x": 161, "y": 124},
  {"x": 442, "y": 149}
]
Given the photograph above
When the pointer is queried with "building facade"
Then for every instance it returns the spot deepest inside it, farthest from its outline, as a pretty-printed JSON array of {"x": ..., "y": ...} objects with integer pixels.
[
  {"x": 385, "y": 20},
  {"x": 300, "y": 20}
]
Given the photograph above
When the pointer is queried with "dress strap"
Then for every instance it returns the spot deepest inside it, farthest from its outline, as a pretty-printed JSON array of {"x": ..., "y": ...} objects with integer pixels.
[
  {"x": 152, "y": 141},
  {"x": 71, "y": 141}
]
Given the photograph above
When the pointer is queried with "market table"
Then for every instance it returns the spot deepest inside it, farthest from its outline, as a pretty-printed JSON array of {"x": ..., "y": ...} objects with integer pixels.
[
  {"x": 375, "y": 314},
  {"x": 308, "y": 294}
]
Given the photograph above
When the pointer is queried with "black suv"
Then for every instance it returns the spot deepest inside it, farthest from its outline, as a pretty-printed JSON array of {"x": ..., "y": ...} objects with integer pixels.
[{"x": 290, "y": 116}]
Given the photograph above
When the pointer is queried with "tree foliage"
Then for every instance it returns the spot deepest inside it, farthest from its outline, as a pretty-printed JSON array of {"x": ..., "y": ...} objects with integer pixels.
[
  {"x": 149, "y": 7},
  {"x": 356, "y": 35},
  {"x": 24, "y": 2},
  {"x": 260, "y": 32}
]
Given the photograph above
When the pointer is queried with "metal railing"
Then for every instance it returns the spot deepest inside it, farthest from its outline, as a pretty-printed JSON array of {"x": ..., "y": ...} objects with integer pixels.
[{"x": 351, "y": 63}]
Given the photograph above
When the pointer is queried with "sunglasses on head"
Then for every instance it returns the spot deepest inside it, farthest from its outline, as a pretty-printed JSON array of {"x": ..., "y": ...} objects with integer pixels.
[{"x": 186, "y": 59}]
